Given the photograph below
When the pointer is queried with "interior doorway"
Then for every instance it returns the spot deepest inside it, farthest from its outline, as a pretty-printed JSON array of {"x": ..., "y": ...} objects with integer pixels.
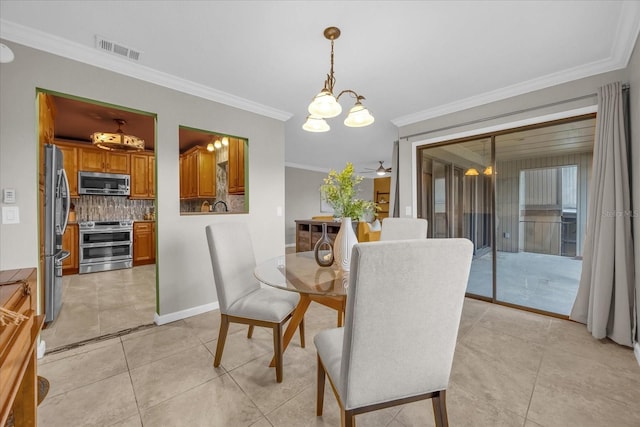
[{"x": 115, "y": 300}]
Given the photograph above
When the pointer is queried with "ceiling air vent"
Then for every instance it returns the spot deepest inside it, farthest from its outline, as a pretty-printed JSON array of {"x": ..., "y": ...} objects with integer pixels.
[{"x": 117, "y": 48}]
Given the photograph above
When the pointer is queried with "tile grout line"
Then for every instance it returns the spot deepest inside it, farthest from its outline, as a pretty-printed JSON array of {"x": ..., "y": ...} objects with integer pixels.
[
  {"x": 535, "y": 383},
  {"x": 133, "y": 389}
]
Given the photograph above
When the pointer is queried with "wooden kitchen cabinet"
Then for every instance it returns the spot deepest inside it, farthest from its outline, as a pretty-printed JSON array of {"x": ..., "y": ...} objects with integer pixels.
[
  {"x": 70, "y": 265},
  {"x": 236, "y": 166},
  {"x": 144, "y": 243},
  {"x": 70, "y": 164},
  {"x": 197, "y": 174},
  {"x": 97, "y": 160},
  {"x": 46, "y": 119},
  {"x": 152, "y": 177},
  {"x": 142, "y": 176}
]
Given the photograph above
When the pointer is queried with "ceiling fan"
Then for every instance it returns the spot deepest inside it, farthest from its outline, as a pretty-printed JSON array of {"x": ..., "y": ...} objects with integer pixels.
[{"x": 380, "y": 170}]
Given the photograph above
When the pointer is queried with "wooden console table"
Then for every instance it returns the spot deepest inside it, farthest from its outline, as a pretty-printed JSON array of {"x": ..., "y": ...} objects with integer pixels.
[
  {"x": 309, "y": 231},
  {"x": 18, "y": 336}
]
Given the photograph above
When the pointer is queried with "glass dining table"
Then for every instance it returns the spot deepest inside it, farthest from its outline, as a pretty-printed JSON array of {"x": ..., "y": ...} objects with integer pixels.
[{"x": 299, "y": 272}]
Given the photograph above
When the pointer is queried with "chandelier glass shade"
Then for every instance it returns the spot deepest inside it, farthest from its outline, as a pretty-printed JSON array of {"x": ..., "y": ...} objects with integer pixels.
[
  {"x": 325, "y": 105},
  {"x": 315, "y": 123},
  {"x": 118, "y": 140},
  {"x": 358, "y": 116}
]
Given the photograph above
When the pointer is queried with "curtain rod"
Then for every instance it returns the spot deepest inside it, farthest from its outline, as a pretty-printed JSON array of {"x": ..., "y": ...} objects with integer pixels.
[{"x": 625, "y": 86}]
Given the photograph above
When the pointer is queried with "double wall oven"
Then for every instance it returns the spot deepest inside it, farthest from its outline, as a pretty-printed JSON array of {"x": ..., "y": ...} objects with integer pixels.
[{"x": 105, "y": 245}]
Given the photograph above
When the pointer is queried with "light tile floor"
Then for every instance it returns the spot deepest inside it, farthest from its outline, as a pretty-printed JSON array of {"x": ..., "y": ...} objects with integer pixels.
[
  {"x": 540, "y": 281},
  {"x": 511, "y": 368},
  {"x": 102, "y": 303}
]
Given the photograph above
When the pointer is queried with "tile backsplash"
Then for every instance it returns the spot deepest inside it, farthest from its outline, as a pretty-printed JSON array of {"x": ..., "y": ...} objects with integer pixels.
[{"x": 111, "y": 208}]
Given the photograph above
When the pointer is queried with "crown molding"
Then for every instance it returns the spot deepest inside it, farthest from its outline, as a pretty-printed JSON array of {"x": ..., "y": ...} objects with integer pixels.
[
  {"x": 622, "y": 46},
  {"x": 306, "y": 167},
  {"x": 65, "y": 48}
]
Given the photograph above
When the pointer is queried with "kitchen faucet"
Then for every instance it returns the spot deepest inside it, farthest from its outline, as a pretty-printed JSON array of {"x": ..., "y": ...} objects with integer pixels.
[{"x": 224, "y": 204}]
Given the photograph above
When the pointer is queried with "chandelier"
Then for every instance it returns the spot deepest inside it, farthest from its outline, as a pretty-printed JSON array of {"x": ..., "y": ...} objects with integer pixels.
[
  {"x": 325, "y": 105},
  {"x": 117, "y": 140},
  {"x": 217, "y": 144}
]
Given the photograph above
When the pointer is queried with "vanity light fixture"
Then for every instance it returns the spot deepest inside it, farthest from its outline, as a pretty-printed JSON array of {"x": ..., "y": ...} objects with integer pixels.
[
  {"x": 217, "y": 144},
  {"x": 325, "y": 105},
  {"x": 117, "y": 140},
  {"x": 210, "y": 147},
  {"x": 225, "y": 141}
]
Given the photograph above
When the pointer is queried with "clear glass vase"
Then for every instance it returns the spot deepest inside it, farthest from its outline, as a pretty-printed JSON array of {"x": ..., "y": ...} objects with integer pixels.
[{"x": 323, "y": 249}]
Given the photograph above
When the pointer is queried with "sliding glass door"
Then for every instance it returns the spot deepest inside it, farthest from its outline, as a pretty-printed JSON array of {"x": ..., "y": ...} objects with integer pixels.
[
  {"x": 541, "y": 204},
  {"x": 456, "y": 201},
  {"x": 520, "y": 197}
]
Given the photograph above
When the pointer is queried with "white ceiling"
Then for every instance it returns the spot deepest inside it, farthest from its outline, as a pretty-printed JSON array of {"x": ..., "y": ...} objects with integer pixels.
[{"x": 411, "y": 60}]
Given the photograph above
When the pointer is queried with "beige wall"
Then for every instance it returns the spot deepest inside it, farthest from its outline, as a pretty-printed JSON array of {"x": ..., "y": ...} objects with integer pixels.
[
  {"x": 185, "y": 277},
  {"x": 302, "y": 196}
]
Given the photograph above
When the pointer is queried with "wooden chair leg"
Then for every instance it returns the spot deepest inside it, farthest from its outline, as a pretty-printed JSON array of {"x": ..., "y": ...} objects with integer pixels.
[
  {"x": 277, "y": 350},
  {"x": 302, "y": 333},
  {"x": 440, "y": 409},
  {"x": 341, "y": 312},
  {"x": 250, "y": 331},
  {"x": 222, "y": 337},
  {"x": 320, "y": 388},
  {"x": 349, "y": 419}
]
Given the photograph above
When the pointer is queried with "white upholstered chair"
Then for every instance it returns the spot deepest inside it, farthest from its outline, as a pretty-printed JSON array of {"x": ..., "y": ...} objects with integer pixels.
[
  {"x": 413, "y": 286},
  {"x": 240, "y": 296},
  {"x": 403, "y": 228}
]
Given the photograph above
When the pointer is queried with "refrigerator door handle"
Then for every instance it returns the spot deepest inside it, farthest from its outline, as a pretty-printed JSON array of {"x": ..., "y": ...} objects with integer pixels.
[
  {"x": 67, "y": 195},
  {"x": 62, "y": 256}
]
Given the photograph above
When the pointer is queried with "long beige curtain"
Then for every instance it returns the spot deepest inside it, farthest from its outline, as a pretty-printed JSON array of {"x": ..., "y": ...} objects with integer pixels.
[{"x": 605, "y": 300}]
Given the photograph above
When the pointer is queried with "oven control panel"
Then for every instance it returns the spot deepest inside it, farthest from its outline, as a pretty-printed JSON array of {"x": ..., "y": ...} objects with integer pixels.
[{"x": 96, "y": 225}]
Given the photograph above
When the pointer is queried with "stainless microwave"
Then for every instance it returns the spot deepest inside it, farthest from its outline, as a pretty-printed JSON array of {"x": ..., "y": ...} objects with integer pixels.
[{"x": 105, "y": 184}]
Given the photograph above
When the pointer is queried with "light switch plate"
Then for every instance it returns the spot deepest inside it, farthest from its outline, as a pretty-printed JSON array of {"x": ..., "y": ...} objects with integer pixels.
[
  {"x": 407, "y": 210},
  {"x": 8, "y": 195},
  {"x": 10, "y": 215}
]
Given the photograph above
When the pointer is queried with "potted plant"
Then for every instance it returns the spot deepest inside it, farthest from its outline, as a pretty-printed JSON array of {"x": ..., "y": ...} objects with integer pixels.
[{"x": 339, "y": 191}]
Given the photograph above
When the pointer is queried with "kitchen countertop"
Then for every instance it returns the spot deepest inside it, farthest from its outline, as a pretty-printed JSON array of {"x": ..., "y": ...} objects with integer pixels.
[
  {"x": 210, "y": 213},
  {"x": 135, "y": 220}
]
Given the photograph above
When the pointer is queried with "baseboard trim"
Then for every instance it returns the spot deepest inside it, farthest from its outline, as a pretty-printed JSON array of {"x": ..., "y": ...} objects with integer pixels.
[
  {"x": 636, "y": 351},
  {"x": 183, "y": 314},
  {"x": 41, "y": 349}
]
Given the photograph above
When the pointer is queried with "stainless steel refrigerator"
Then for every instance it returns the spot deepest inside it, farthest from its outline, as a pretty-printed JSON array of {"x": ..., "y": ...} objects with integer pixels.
[{"x": 56, "y": 212}]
